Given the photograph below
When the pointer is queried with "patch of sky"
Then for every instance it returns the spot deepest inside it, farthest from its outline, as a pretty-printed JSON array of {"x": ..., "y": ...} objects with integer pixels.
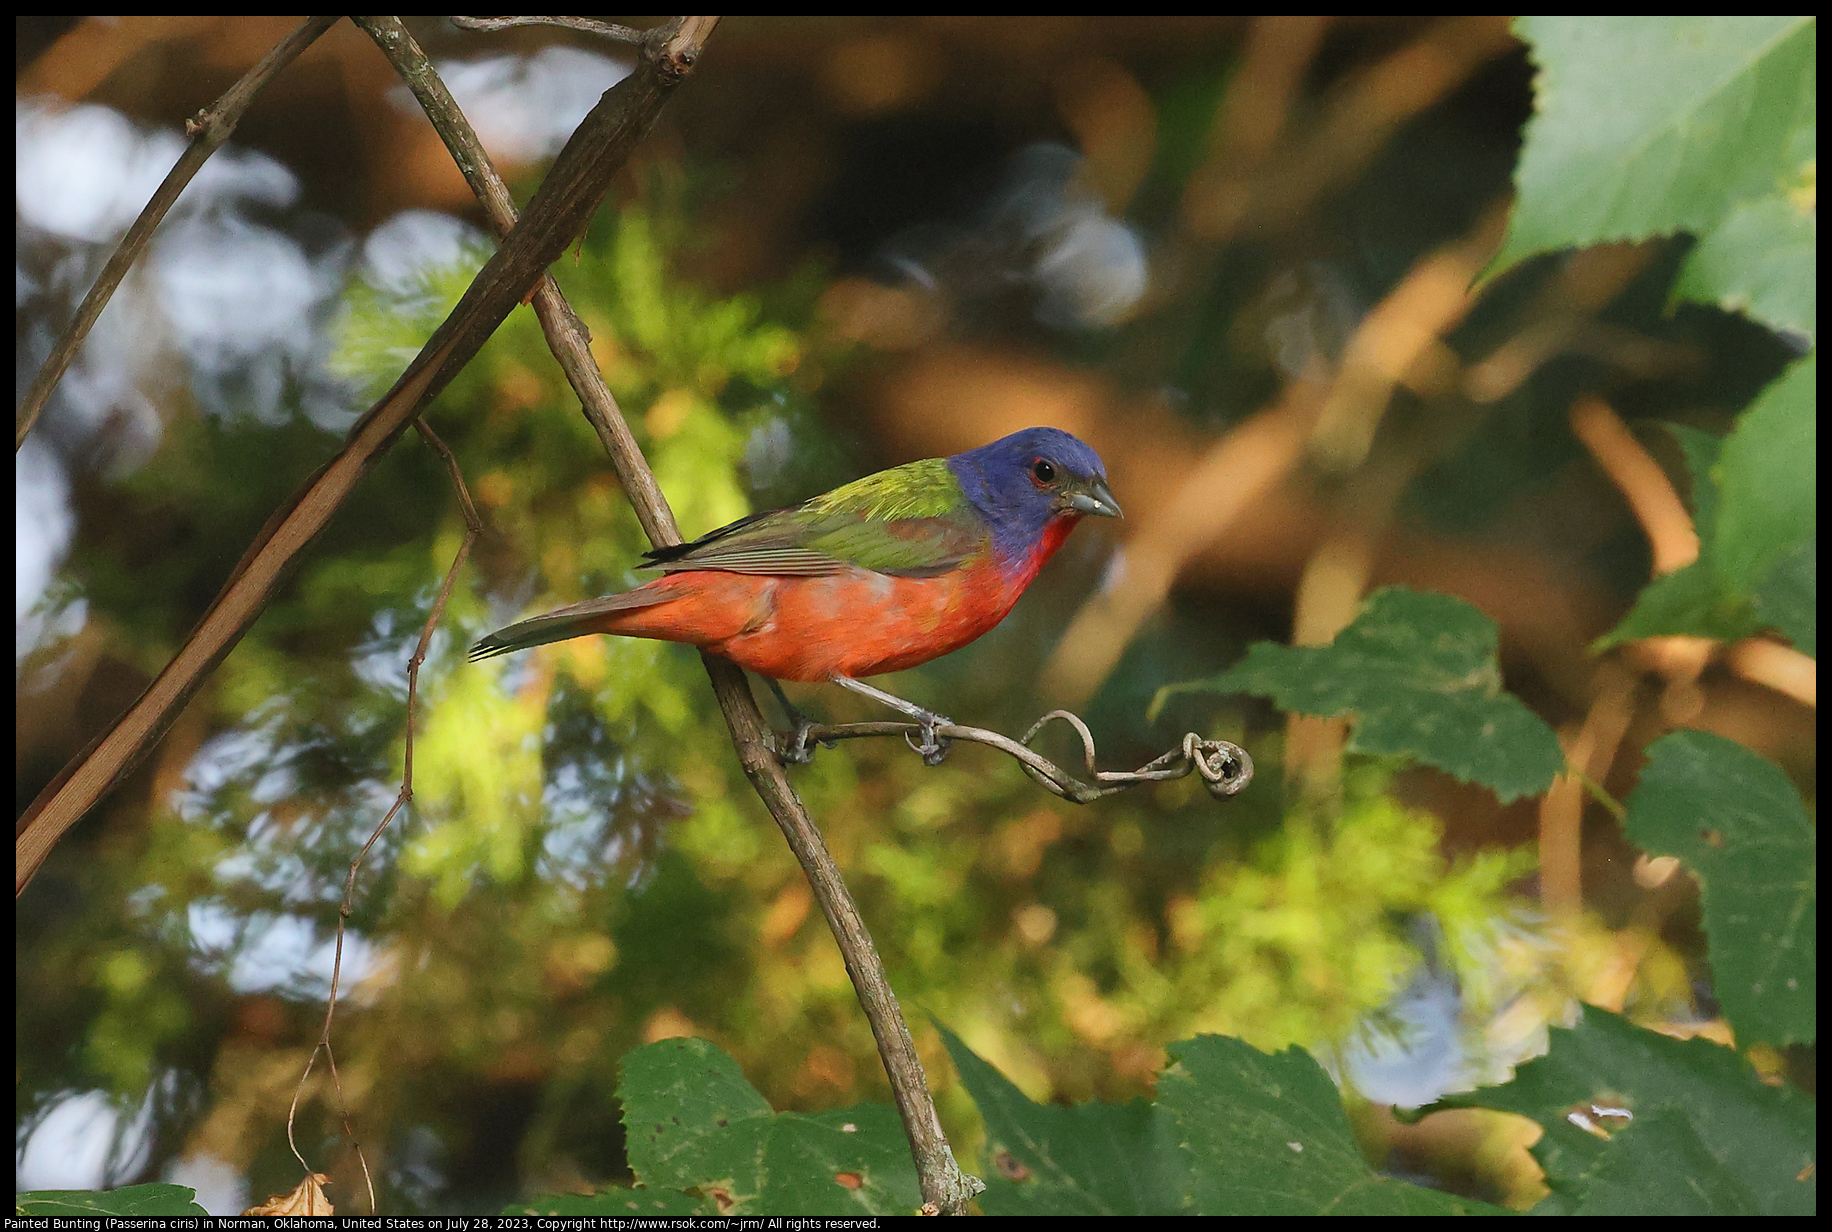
[{"x": 524, "y": 107}]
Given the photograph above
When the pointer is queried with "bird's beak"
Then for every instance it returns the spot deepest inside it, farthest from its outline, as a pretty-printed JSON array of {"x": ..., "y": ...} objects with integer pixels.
[{"x": 1095, "y": 499}]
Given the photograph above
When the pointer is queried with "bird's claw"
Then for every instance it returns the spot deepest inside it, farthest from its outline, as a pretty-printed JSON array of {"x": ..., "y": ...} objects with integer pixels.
[
  {"x": 796, "y": 748},
  {"x": 933, "y": 747}
]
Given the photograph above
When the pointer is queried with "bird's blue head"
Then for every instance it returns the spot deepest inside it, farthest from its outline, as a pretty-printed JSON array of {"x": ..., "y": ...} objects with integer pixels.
[{"x": 1025, "y": 483}]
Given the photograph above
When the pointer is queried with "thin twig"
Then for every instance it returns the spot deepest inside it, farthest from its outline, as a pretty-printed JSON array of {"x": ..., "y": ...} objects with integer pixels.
[
  {"x": 1225, "y": 768},
  {"x": 604, "y": 29},
  {"x": 209, "y": 129},
  {"x": 473, "y": 527},
  {"x": 1601, "y": 795},
  {"x": 944, "y": 1186}
]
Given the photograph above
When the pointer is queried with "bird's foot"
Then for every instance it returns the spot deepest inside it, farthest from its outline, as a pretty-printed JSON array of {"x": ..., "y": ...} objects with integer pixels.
[
  {"x": 932, "y": 746},
  {"x": 796, "y": 747}
]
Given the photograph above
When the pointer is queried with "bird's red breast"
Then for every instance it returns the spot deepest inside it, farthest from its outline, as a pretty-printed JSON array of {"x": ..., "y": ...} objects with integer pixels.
[{"x": 852, "y": 623}]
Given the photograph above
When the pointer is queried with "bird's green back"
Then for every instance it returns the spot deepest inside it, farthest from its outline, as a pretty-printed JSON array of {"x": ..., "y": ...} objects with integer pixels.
[
  {"x": 925, "y": 489},
  {"x": 910, "y": 521}
]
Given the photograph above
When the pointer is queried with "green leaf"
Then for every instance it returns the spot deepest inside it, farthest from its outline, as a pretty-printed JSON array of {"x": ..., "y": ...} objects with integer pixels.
[
  {"x": 1788, "y": 598},
  {"x": 1758, "y": 261},
  {"x": 692, "y": 1122},
  {"x": 1738, "y": 824},
  {"x": 1767, "y": 476},
  {"x": 1663, "y": 1142},
  {"x": 1755, "y": 504},
  {"x": 1637, "y": 1121},
  {"x": 1233, "y": 1132},
  {"x": 1701, "y": 450},
  {"x": 1266, "y": 1135},
  {"x": 1091, "y": 1159},
  {"x": 154, "y": 1199},
  {"x": 1691, "y": 601},
  {"x": 671, "y": 1092},
  {"x": 1647, "y": 125},
  {"x": 1420, "y": 673}
]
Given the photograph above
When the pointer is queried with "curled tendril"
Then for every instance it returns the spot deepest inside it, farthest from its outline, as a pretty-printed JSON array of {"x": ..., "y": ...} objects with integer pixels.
[{"x": 1225, "y": 768}]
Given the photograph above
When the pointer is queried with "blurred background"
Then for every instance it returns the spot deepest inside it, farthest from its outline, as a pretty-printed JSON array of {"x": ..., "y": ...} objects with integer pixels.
[{"x": 1237, "y": 256}]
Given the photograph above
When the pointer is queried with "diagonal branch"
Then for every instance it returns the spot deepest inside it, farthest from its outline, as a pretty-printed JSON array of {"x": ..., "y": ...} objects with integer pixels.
[
  {"x": 560, "y": 209},
  {"x": 209, "y": 129},
  {"x": 944, "y": 1186}
]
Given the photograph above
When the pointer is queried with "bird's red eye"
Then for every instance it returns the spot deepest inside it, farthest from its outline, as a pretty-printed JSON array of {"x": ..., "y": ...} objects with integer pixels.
[{"x": 1043, "y": 471}]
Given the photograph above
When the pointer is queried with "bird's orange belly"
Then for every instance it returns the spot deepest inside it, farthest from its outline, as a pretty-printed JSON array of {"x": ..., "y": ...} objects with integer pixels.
[{"x": 856, "y": 623}]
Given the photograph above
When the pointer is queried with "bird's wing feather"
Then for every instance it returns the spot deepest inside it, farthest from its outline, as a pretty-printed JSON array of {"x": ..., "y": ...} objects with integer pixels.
[{"x": 910, "y": 521}]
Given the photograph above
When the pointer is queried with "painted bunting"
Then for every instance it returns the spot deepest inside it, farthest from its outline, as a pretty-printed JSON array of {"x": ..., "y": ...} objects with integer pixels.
[{"x": 884, "y": 573}]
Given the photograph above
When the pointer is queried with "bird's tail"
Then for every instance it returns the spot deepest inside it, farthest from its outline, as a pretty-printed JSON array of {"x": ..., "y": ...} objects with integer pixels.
[{"x": 592, "y": 616}]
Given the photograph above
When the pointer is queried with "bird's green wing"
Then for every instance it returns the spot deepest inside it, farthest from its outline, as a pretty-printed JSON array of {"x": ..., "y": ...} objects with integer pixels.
[{"x": 910, "y": 521}]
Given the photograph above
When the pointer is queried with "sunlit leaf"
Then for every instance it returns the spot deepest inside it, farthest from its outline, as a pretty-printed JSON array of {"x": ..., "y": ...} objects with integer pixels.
[{"x": 1647, "y": 125}]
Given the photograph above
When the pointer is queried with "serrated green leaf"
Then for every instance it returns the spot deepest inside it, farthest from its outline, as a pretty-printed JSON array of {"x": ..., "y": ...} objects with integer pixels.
[
  {"x": 1420, "y": 673},
  {"x": 1759, "y": 261},
  {"x": 1091, "y": 1159},
  {"x": 1738, "y": 824},
  {"x": 1266, "y": 1135},
  {"x": 1690, "y": 601},
  {"x": 158, "y": 1198},
  {"x": 1646, "y": 125},
  {"x": 1767, "y": 475},
  {"x": 1233, "y": 1132},
  {"x": 693, "y": 1123},
  {"x": 1755, "y": 503},
  {"x": 1746, "y": 1140}
]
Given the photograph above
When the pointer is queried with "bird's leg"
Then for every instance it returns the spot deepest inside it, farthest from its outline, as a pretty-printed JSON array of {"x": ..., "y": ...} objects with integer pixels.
[
  {"x": 933, "y": 747},
  {"x": 798, "y": 750}
]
